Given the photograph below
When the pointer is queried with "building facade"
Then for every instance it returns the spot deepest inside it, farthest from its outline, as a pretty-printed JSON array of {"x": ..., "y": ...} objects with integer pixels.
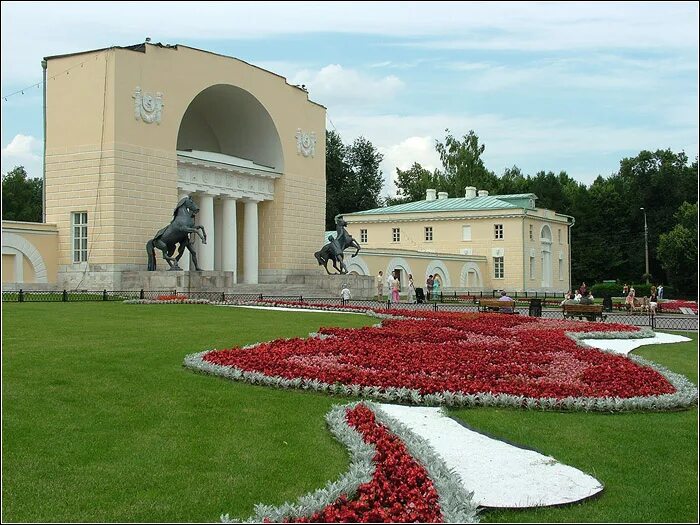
[
  {"x": 478, "y": 242},
  {"x": 131, "y": 130}
]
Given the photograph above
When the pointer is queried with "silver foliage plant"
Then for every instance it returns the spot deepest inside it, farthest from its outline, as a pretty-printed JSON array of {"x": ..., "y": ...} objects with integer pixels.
[{"x": 455, "y": 502}]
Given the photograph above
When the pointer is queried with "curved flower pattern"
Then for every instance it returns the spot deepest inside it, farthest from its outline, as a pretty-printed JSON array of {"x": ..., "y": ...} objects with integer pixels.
[{"x": 459, "y": 360}]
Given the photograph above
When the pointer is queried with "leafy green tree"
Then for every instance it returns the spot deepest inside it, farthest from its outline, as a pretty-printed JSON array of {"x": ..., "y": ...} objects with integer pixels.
[
  {"x": 463, "y": 166},
  {"x": 21, "y": 196},
  {"x": 353, "y": 178},
  {"x": 412, "y": 183},
  {"x": 678, "y": 250},
  {"x": 366, "y": 183},
  {"x": 338, "y": 174}
]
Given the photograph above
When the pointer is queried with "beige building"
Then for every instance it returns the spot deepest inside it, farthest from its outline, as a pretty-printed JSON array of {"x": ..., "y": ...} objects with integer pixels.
[
  {"x": 130, "y": 130},
  {"x": 478, "y": 242}
]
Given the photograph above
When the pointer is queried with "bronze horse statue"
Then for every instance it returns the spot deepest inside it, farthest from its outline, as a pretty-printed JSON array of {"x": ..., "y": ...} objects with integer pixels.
[
  {"x": 177, "y": 232},
  {"x": 333, "y": 251}
]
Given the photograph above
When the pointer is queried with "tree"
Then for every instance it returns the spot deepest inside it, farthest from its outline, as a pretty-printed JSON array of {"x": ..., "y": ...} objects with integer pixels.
[
  {"x": 353, "y": 178},
  {"x": 412, "y": 183},
  {"x": 21, "y": 196},
  {"x": 338, "y": 174},
  {"x": 366, "y": 182},
  {"x": 462, "y": 165},
  {"x": 678, "y": 250}
]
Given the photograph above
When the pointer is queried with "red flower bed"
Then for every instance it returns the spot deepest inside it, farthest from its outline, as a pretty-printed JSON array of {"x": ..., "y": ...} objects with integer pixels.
[
  {"x": 171, "y": 298},
  {"x": 400, "y": 490},
  {"x": 675, "y": 306},
  {"x": 469, "y": 353}
]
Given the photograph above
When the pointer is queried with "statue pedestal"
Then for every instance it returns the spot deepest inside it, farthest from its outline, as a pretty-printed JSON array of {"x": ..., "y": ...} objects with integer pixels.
[{"x": 182, "y": 281}]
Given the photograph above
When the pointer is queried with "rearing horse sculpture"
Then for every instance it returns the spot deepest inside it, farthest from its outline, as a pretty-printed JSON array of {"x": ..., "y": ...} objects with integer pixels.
[
  {"x": 177, "y": 232},
  {"x": 334, "y": 250}
]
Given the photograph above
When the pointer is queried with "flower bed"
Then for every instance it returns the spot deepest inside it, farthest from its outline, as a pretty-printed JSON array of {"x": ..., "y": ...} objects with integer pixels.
[
  {"x": 394, "y": 477},
  {"x": 460, "y": 359},
  {"x": 675, "y": 306}
]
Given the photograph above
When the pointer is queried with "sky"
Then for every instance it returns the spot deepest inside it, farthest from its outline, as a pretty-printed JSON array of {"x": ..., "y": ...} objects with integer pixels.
[{"x": 553, "y": 86}]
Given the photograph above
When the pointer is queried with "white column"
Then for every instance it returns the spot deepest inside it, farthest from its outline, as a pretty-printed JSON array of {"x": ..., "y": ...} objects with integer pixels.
[
  {"x": 229, "y": 237},
  {"x": 185, "y": 260},
  {"x": 206, "y": 218},
  {"x": 218, "y": 230},
  {"x": 250, "y": 242}
]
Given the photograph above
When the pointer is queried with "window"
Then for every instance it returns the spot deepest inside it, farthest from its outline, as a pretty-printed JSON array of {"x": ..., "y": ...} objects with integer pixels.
[
  {"x": 498, "y": 272},
  {"x": 466, "y": 233},
  {"x": 498, "y": 231},
  {"x": 396, "y": 234},
  {"x": 428, "y": 233},
  {"x": 531, "y": 232},
  {"x": 363, "y": 235},
  {"x": 79, "y": 236},
  {"x": 559, "y": 235},
  {"x": 532, "y": 267}
]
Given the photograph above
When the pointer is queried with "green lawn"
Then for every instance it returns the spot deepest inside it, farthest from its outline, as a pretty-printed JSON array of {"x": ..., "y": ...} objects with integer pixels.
[{"x": 102, "y": 423}]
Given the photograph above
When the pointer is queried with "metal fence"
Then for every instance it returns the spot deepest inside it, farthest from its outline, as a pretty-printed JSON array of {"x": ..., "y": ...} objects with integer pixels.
[{"x": 456, "y": 302}]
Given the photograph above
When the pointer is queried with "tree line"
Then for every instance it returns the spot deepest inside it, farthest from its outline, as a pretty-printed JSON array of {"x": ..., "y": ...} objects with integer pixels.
[{"x": 608, "y": 238}]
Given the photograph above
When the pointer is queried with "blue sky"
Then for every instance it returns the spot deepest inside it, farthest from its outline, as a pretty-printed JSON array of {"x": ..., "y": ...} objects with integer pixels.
[{"x": 573, "y": 86}]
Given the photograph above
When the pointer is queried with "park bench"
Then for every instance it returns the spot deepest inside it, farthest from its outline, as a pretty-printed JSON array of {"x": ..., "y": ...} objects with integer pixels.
[
  {"x": 495, "y": 305},
  {"x": 589, "y": 311}
]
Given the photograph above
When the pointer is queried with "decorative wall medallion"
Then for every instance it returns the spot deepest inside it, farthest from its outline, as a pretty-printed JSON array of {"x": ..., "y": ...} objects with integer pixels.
[
  {"x": 306, "y": 143},
  {"x": 147, "y": 107}
]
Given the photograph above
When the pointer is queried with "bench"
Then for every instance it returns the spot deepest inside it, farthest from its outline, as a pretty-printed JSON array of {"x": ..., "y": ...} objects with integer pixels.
[
  {"x": 494, "y": 305},
  {"x": 589, "y": 311}
]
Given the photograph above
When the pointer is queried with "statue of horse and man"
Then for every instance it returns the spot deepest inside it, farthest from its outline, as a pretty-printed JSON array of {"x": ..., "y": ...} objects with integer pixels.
[
  {"x": 177, "y": 232},
  {"x": 333, "y": 251}
]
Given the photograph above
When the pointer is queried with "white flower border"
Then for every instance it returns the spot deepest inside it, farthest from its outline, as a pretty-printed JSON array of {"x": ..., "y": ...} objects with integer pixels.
[
  {"x": 455, "y": 502},
  {"x": 167, "y": 301},
  {"x": 686, "y": 394}
]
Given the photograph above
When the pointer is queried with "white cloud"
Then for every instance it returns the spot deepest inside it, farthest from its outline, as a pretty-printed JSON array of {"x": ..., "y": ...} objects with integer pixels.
[
  {"x": 336, "y": 85},
  {"x": 23, "y": 150},
  {"x": 403, "y": 155}
]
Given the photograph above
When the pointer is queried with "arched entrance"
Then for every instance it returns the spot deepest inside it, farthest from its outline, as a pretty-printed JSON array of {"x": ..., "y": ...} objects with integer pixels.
[
  {"x": 546, "y": 247},
  {"x": 229, "y": 154}
]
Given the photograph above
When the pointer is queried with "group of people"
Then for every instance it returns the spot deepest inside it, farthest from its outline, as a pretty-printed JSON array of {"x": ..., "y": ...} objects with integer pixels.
[
  {"x": 655, "y": 295},
  {"x": 580, "y": 296},
  {"x": 393, "y": 286}
]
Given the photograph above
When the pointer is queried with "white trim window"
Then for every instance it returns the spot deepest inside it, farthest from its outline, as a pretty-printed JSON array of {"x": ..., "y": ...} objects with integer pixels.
[
  {"x": 532, "y": 236},
  {"x": 428, "y": 233},
  {"x": 498, "y": 231},
  {"x": 80, "y": 236},
  {"x": 363, "y": 235},
  {"x": 466, "y": 232},
  {"x": 532, "y": 267},
  {"x": 561, "y": 269},
  {"x": 559, "y": 234},
  {"x": 396, "y": 235},
  {"x": 498, "y": 268}
]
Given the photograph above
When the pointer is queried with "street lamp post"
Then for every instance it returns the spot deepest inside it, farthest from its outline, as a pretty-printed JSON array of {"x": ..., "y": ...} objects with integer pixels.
[{"x": 646, "y": 246}]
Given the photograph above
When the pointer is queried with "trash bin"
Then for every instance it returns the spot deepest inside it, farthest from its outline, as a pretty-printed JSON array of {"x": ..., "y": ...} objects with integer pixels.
[
  {"x": 607, "y": 304},
  {"x": 535, "y": 308},
  {"x": 420, "y": 297}
]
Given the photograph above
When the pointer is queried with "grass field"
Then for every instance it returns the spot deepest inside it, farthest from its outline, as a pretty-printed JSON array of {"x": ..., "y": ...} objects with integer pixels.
[{"x": 102, "y": 423}]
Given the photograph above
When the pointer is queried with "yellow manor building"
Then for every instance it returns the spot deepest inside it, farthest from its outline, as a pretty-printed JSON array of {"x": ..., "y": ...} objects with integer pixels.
[
  {"x": 131, "y": 130},
  {"x": 478, "y": 242}
]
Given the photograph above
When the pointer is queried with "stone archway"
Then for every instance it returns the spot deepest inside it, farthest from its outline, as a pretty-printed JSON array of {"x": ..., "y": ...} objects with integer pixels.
[
  {"x": 438, "y": 267},
  {"x": 358, "y": 265},
  {"x": 21, "y": 247},
  {"x": 546, "y": 251},
  {"x": 470, "y": 276},
  {"x": 229, "y": 154}
]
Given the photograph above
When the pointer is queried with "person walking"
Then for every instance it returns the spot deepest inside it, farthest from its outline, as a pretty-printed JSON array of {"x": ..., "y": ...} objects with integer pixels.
[
  {"x": 395, "y": 289},
  {"x": 411, "y": 289},
  {"x": 429, "y": 287},
  {"x": 380, "y": 285}
]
